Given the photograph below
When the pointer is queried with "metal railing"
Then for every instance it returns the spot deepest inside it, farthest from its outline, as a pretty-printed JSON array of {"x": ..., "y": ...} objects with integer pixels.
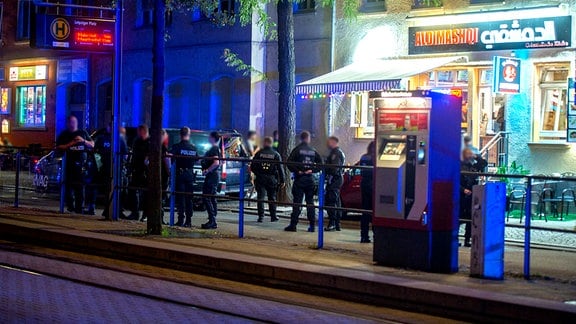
[
  {"x": 496, "y": 150},
  {"x": 529, "y": 182}
]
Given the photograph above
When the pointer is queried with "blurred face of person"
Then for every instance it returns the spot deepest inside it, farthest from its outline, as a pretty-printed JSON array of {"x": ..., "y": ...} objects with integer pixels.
[
  {"x": 332, "y": 144},
  {"x": 72, "y": 124},
  {"x": 467, "y": 155},
  {"x": 212, "y": 140},
  {"x": 142, "y": 133}
]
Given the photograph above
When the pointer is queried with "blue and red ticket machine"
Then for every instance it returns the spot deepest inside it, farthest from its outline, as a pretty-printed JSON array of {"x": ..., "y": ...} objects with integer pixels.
[{"x": 416, "y": 180}]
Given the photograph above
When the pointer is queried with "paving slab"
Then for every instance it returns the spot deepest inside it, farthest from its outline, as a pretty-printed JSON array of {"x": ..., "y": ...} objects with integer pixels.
[{"x": 290, "y": 258}]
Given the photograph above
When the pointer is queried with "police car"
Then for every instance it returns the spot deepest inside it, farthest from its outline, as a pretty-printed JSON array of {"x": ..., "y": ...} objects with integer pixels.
[{"x": 231, "y": 144}]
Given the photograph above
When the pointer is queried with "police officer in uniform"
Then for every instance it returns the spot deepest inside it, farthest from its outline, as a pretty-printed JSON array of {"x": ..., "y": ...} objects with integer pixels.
[
  {"x": 103, "y": 147},
  {"x": 139, "y": 163},
  {"x": 366, "y": 188},
  {"x": 305, "y": 182},
  {"x": 269, "y": 176},
  {"x": 76, "y": 143},
  {"x": 184, "y": 156},
  {"x": 210, "y": 166},
  {"x": 334, "y": 180}
]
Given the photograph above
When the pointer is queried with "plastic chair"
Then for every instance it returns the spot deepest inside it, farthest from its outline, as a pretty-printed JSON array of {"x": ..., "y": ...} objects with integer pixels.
[
  {"x": 565, "y": 200},
  {"x": 547, "y": 197},
  {"x": 516, "y": 197},
  {"x": 535, "y": 202}
]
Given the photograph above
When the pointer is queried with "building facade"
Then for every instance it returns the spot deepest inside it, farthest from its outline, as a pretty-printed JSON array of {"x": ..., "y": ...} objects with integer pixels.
[
  {"x": 535, "y": 119},
  {"x": 40, "y": 87}
]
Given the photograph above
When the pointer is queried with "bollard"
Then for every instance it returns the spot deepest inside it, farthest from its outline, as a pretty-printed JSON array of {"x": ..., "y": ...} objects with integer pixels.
[
  {"x": 17, "y": 179},
  {"x": 528, "y": 213},
  {"x": 172, "y": 191},
  {"x": 63, "y": 183},
  {"x": 321, "y": 209},
  {"x": 241, "y": 202}
]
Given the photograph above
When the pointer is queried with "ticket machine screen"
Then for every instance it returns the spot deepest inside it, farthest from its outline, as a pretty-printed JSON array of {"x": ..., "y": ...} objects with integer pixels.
[{"x": 392, "y": 151}]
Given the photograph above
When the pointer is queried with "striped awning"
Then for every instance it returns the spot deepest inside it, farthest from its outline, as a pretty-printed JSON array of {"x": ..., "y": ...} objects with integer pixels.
[{"x": 372, "y": 75}]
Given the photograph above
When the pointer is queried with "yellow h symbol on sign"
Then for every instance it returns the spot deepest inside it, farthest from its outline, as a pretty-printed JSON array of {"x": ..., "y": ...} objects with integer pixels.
[{"x": 60, "y": 29}]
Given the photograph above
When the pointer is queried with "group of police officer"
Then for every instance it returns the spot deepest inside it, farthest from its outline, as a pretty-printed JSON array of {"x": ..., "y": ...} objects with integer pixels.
[{"x": 304, "y": 162}]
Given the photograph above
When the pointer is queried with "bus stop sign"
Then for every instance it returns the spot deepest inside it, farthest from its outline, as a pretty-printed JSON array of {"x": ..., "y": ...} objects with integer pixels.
[{"x": 72, "y": 33}]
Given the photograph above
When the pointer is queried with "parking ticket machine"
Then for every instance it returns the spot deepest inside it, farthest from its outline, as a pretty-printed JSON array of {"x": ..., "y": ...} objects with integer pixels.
[{"x": 416, "y": 180}]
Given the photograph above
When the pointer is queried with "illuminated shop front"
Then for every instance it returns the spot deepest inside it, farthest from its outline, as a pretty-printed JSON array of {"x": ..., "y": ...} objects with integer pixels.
[
  {"x": 534, "y": 120},
  {"x": 26, "y": 115}
]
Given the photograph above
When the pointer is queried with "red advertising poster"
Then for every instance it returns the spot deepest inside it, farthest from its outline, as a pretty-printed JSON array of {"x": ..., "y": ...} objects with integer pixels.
[{"x": 410, "y": 121}]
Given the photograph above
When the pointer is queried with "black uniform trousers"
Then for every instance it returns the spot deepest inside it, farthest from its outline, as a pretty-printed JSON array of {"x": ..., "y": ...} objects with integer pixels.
[
  {"x": 304, "y": 187},
  {"x": 210, "y": 187},
  {"x": 466, "y": 215},
  {"x": 366, "y": 218},
  {"x": 332, "y": 198},
  {"x": 74, "y": 185},
  {"x": 266, "y": 185},
  {"x": 184, "y": 202},
  {"x": 138, "y": 196}
]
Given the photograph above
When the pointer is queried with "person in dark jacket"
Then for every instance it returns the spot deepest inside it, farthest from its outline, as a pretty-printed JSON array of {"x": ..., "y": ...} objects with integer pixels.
[
  {"x": 104, "y": 148},
  {"x": 185, "y": 155},
  {"x": 470, "y": 163},
  {"x": 367, "y": 189},
  {"x": 139, "y": 170},
  {"x": 334, "y": 181},
  {"x": 269, "y": 177},
  {"x": 76, "y": 143},
  {"x": 210, "y": 170},
  {"x": 305, "y": 182}
]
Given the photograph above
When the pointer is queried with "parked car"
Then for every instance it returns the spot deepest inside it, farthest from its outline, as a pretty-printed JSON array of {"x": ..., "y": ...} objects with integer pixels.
[
  {"x": 350, "y": 193},
  {"x": 48, "y": 169},
  {"x": 231, "y": 144}
]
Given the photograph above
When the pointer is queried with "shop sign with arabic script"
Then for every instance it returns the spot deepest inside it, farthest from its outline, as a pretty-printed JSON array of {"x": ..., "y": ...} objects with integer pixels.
[{"x": 551, "y": 32}]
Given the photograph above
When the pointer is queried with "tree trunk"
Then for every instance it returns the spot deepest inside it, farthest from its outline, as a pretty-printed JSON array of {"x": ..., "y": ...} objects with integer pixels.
[
  {"x": 153, "y": 207},
  {"x": 286, "y": 84}
]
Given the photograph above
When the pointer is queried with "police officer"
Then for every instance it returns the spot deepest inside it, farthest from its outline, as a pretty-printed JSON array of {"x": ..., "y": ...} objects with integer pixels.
[
  {"x": 139, "y": 169},
  {"x": 185, "y": 155},
  {"x": 269, "y": 176},
  {"x": 305, "y": 182},
  {"x": 210, "y": 166},
  {"x": 366, "y": 188},
  {"x": 76, "y": 143},
  {"x": 334, "y": 180},
  {"x": 103, "y": 147}
]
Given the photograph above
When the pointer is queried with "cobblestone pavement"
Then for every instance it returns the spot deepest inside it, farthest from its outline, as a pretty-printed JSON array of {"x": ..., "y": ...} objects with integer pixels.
[{"x": 27, "y": 296}]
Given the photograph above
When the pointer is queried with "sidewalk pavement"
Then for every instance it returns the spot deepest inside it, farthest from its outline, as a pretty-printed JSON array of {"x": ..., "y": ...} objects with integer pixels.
[{"x": 343, "y": 268}]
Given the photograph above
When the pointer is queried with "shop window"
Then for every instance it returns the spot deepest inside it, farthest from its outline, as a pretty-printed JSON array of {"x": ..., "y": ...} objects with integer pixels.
[
  {"x": 423, "y": 4},
  {"x": 304, "y": 6},
  {"x": 31, "y": 103},
  {"x": 4, "y": 101},
  {"x": 373, "y": 5},
  {"x": 362, "y": 114},
  {"x": 5, "y": 126},
  {"x": 486, "y": 76},
  {"x": 23, "y": 21},
  {"x": 550, "y": 111}
]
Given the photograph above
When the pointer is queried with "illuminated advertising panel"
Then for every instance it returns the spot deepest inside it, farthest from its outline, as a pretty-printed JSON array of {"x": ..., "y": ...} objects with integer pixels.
[
  {"x": 72, "y": 33},
  {"x": 534, "y": 33},
  {"x": 506, "y": 75}
]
